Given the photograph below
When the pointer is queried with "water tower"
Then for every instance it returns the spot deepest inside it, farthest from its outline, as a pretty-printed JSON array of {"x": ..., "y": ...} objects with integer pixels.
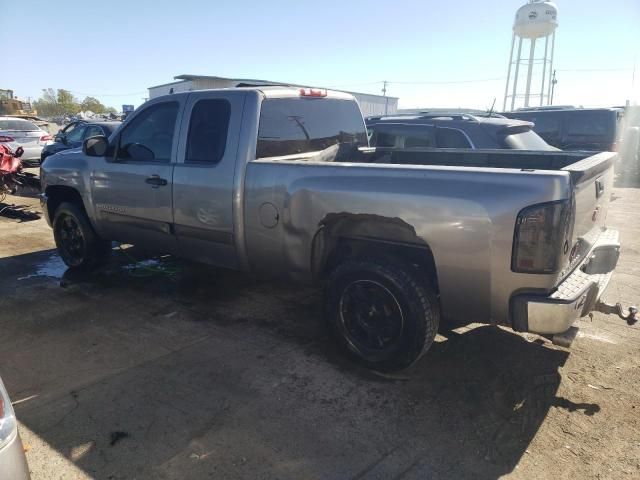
[{"x": 534, "y": 21}]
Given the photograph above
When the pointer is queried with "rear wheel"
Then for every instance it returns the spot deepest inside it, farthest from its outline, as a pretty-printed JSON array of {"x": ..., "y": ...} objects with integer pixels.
[
  {"x": 381, "y": 312},
  {"x": 78, "y": 244}
]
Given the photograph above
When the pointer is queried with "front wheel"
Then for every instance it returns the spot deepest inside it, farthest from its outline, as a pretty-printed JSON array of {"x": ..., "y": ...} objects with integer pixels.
[
  {"x": 78, "y": 244},
  {"x": 381, "y": 312}
]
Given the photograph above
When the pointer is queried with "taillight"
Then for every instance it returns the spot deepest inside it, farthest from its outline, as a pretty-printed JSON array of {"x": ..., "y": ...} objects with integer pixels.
[
  {"x": 46, "y": 138},
  {"x": 5, "y": 138},
  {"x": 8, "y": 423},
  {"x": 313, "y": 92},
  {"x": 540, "y": 235}
]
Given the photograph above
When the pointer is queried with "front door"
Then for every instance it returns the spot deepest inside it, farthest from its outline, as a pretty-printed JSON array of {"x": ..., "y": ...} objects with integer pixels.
[
  {"x": 132, "y": 190},
  {"x": 203, "y": 180}
]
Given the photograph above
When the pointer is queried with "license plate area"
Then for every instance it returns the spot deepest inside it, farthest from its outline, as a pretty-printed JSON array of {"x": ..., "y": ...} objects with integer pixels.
[{"x": 602, "y": 260}]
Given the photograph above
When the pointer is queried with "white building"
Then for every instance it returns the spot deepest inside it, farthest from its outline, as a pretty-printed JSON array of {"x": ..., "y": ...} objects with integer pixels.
[{"x": 369, "y": 104}]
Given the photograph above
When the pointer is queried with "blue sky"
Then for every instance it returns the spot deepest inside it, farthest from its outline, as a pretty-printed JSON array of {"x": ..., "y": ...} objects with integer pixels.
[{"x": 116, "y": 52}]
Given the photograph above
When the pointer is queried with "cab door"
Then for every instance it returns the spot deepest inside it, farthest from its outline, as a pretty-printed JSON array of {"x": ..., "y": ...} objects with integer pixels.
[
  {"x": 203, "y": 179},
  {"x": 132, "y": 189}
]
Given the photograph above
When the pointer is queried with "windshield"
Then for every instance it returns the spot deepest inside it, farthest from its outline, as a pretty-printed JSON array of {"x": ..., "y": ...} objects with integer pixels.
[
  {"x": 300, "y": 125},
  {"x": 17, "y": 124},
  {"x": 527, "y": 140}
]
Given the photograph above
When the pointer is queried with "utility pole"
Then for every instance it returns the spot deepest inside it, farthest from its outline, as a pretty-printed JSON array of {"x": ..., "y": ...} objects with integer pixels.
[
  {"x": 553, "y": 87},
  {"x": 384, "y": 94}
]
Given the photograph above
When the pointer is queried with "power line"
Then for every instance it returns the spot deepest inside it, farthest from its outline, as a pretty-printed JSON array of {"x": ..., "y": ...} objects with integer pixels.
[
  {"x": 420, "y": 82},
  {"x": 452, "y": 82}
]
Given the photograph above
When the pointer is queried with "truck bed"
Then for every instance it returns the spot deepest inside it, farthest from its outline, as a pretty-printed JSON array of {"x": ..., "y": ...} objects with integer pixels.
[
  {"x": 522, "y": 159},
  {"x": 462, "y": 204}
]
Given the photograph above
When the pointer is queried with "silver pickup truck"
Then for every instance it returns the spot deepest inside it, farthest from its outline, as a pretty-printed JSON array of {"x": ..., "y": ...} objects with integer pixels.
[{"x": 280, "y": 182}]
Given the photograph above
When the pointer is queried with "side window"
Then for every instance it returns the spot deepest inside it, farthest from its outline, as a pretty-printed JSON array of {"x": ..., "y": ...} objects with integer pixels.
[
  {"x": 93, "y": 131},
  {"x": 385, "y": 139},
  {"x": 149, "y": 136},
  {"x": 208, "y": 129},
  {"x": 451, "y": 138},
  {"x": 404, "y": 136},
  {"x": 590, "y": 123},
  {"x": 77, "y": 134},
  {"x": 71, "y": 126},
  {"x": 418, "y": 137}
]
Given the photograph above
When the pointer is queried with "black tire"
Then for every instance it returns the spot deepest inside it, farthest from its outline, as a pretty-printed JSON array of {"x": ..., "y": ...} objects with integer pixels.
[
  {"x": 78, "y": 244},
  {"x": 381, "y": 312}
]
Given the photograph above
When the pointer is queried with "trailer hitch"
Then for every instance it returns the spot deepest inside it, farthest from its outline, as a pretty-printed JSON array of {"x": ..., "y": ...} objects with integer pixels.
[{"x": 629, "y": 316}]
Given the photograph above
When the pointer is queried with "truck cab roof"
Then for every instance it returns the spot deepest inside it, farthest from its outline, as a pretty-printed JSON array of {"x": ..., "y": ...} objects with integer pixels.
[{"x": 278, "y": 91}]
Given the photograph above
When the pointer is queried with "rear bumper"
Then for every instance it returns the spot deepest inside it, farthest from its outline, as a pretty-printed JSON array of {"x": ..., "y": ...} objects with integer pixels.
[
  {"x": 575, "y": 297},
  {"x": 32, "y": 153}
]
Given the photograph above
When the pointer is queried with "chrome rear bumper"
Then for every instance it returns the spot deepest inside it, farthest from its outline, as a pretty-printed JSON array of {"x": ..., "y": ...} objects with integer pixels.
[{"x": 575, "y": 297}]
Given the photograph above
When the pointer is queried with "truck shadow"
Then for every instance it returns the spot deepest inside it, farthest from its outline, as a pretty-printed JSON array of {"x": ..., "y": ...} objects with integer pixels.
[{"x": 185, "y": 374}]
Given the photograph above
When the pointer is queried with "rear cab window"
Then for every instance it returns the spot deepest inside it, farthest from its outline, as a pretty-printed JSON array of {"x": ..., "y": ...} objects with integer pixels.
[{"x": 291, "y": 126}]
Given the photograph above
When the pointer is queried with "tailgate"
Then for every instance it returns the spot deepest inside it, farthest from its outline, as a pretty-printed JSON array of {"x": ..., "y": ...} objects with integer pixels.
[{"x": 592, "y": 180}]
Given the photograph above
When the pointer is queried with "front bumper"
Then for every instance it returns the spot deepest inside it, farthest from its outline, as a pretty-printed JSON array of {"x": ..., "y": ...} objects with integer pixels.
[
  {"x": 45, "y": 210},
  {"x": 574, "y": 297}
]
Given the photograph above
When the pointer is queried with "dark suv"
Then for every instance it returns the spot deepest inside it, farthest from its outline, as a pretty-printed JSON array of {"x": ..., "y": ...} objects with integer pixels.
[
  {"x": 570, "y": 128},
  {"x": 75, "y": 133},
  {"x": 456, "y": 130}
]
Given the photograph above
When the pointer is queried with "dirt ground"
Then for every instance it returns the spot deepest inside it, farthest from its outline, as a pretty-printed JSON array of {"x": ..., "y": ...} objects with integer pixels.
[{"x": 171, "y": 371}]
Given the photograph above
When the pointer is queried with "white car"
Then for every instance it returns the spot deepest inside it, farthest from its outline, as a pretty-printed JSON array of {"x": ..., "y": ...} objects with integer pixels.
[
  {"x": 13, "y": 463},
  {"x": 16, "y": 132}
]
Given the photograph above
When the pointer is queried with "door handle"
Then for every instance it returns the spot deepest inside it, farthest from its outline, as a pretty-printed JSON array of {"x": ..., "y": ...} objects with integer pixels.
[{"x": 156, "y": 181}]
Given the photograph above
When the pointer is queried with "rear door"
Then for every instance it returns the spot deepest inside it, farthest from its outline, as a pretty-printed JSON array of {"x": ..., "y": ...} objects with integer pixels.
[
  {"x": 132, "y": 190},
  {"x": 203, "y": 179}
]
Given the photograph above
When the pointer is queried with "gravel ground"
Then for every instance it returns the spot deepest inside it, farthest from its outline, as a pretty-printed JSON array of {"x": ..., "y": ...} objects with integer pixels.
[{"x": 175, "y": 371}]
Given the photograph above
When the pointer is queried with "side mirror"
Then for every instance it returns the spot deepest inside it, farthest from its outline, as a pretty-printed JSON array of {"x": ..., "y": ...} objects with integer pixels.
[
  {"x": 60, "y": 137},
  {"x": 18, "y": 153},
  {"x": 95, "y": 146}
]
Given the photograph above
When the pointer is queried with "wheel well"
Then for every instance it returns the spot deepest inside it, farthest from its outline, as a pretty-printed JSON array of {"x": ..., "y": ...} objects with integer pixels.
[
  {"x": 57, "y": 194},
  {"x": 416, "y": 256}
]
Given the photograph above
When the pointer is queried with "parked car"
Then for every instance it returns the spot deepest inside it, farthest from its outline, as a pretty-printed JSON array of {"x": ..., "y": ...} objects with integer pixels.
[
  {"x": 455, "y": 130},
  {"x": 16, "y": 132},
  {"x": 13, "y": 463},
  {"x": 39, "y": 122},
  {"x": 74, "y": 134},
  {"x": 569, "y": 128},
  {"x": 280, "y": 182}
]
